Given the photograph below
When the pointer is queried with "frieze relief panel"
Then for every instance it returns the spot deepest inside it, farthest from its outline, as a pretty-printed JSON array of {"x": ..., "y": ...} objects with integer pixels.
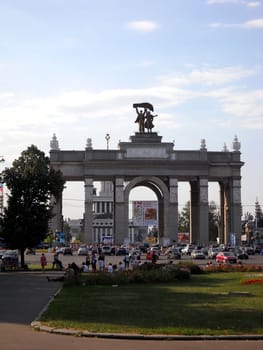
[{"x": 146, "y": 152}]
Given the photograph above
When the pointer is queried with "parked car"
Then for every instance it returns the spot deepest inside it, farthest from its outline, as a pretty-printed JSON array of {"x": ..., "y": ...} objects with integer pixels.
[
  {"x": 67, "y": 251},
  {"x": 144, "y": 247},
  {"x": 64, "y": 250},
  {"x": 249, "y": 250},
  {"x": 9, "y": 260},
  {"x": 121, "y": 251},
  {"x": 226, "y": 257},
  {"x": 197, "y": 254},
  {"x": 212, "y": 252},
  {"x": 259, "y": 249},
  {"x": 187, "y": 250},
  {"x": 108, "y": 250},
  {"x": 136, "y": 252},
  {"x": 241, "y": 254},
  {"x": 156, "y": 250},
  {"x": 2, "y": 252},
  {"x": 83, "y": 250},
  {"x": 173, "y": 253},
  {"x": 30, "y": 251}
]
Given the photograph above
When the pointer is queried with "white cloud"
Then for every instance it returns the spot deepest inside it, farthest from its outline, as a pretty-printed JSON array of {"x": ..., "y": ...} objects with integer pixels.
[
  {"x": 253, "y": 4},
  {"x": 83, "y": 113},
  {"x": 256, "y": 23},
  {"x": 143, "y": 26},
  {"x": 208, "y": 76},
  {"x": 213, "y": 2},
  {"x": 241, "y": 2}
]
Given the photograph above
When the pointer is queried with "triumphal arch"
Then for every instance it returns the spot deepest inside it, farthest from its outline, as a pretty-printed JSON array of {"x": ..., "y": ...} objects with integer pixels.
[{"x": 147, "y": 161}]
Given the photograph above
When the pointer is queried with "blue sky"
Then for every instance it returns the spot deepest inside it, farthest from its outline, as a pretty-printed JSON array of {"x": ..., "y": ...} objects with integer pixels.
[{"x": 75, "y": 68}]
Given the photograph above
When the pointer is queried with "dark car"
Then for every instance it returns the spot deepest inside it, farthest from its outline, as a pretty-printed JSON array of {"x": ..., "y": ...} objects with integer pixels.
[
  {"x": 241, "y": 254},
  {"x": 259, "y": 249},
  {"x": 173, "y": 253},
  {"x": 121, "y": 251},
  {"x": 67, "y": 251},
  {"x": 249, "y": 250}
]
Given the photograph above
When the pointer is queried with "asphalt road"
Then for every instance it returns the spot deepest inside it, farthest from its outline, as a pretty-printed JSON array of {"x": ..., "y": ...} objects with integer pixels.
[{"x": 35, "y": 259}]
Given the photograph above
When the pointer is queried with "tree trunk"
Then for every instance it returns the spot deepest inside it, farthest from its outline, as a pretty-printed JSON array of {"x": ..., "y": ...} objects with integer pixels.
[{"x": 22, "y": 254}]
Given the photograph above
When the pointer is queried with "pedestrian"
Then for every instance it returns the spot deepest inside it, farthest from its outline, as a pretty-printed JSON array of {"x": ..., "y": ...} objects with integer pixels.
[
  {"x": 93, "y": 262},
  {"x": 84, "y": 267},
  {"x": 110, "y": 268},
  {"x": 88, "y": 260},
  {"x": 121, "y": 266},
  {"x": 56, "y": 262},
  {"x": 154, "y": 257},
  {"x": 126, "y": 261},
  {"x": 101, "y": 261},
  {"x": 43, "y": 261},
  {"x": 148, "y": 257}
]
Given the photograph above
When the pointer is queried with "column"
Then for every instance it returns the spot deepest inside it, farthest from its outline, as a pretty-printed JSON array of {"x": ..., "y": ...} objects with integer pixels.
[
  {"x": 57, "y": 219},
  {"x": 120, "y": 217},
  {"x": 222, "y": 214},
  {"x": 88, "y": 215},
  {"x": 194, "y": 212},
  {"x": 199, "y": 225},
  {"x": 235, "y": 228},
  {"x": 203, "y": 212},
  {"x": 170, "y": 234}
]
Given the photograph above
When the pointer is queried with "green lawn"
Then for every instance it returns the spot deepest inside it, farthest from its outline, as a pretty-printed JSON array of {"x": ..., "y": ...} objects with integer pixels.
[{"x": 202, "y": 305}]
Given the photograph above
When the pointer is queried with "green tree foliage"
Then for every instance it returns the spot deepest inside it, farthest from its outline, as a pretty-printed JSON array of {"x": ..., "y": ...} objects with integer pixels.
[
  {"x": 31, "y": 183},
  {"x": 213, "y": 221},
  {"x": 184, "y": 220}
]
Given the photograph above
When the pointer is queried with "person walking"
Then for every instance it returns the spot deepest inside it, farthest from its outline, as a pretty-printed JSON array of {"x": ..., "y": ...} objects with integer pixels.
[
  {"x": 101, "y": 261},
  {"x": 43, "y": 261},
  {"x": 88, "y": 260},
  {"x": 93, "y": 262}
]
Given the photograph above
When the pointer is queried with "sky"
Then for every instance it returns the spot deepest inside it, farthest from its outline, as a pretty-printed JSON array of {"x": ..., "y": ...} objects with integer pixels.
[{"x": 76, "y": 67}]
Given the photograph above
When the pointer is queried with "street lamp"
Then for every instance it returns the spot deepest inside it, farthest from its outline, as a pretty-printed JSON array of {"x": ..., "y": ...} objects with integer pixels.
[
  {"x": 107, "y": 137},
  {"x": 1, "y": 189}
]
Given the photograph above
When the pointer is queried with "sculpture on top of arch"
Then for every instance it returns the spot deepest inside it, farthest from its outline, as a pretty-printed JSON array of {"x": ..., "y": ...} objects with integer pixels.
[{"x": 144, "y": 116}]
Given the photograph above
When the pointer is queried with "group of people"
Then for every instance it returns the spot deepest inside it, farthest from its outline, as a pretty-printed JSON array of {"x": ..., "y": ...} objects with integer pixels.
[{"x": 94, "y": 263}]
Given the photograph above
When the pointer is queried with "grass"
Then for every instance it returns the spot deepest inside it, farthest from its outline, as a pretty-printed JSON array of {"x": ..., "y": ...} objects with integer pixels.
[{"x": 202, "y": 305}]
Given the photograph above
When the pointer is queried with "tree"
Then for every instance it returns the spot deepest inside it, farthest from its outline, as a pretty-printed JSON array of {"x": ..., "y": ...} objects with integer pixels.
[
  {"x": 184, "y": 220},
  {"x": 213, "y": 221},
  {"x": 31, "y": 183}
]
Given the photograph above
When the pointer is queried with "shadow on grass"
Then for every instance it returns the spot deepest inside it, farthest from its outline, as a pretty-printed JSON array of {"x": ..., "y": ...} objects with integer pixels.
[{"x": 194, "y": 307}]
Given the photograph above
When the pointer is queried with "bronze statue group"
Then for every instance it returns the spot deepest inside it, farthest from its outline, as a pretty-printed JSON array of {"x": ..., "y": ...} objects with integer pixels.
[{"x": 144, "y": 117}]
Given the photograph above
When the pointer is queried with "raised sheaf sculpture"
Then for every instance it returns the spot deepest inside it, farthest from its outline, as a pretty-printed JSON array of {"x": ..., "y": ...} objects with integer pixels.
[{"x": 144, "y": 116}]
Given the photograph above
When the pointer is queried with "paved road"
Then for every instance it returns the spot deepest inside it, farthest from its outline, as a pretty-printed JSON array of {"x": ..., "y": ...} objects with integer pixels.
[
  {"x": 24, "y": 295},
  {"x": 34, "y": 259}
]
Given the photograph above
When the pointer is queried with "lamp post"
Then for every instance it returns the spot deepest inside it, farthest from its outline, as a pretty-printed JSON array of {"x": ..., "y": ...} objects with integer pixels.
[
  {"x": 1, "y": 189},
  {"x": 107, "y": 137}
]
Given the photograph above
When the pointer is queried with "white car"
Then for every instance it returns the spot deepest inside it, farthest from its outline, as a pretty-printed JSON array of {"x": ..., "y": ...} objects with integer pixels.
[
  {"x": 83, "y": 251},
  {"x": 197, "y": 254}
]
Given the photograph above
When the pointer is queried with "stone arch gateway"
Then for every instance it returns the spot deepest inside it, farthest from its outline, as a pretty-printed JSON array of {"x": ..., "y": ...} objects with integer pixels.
[{"x": 146, "y": 160}]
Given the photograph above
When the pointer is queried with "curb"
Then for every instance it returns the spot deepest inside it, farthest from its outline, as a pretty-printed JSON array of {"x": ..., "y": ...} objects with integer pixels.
[{"x": 36, "y": 325}]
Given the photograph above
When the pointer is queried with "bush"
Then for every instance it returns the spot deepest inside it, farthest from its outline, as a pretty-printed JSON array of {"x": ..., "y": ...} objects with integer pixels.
[
  {"x": 193, "y": 268},
  {"x": 145, "y": 274},
  {"x": 233, "y": 268}
]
